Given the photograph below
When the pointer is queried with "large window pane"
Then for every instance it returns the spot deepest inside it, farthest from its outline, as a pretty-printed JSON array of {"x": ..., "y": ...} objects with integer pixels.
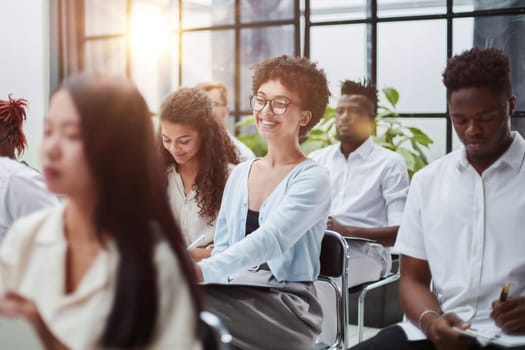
[
  {"x": 341, "y": 52},
  {"x": 173, "y": 14},
  {"x": 435, "y": 128},
  {"x": 506, "y": 34},
  {"x": 207, "y": 13},
  {"x": 208, "y": 55},
  {"x": 502, "y": 32},
  {"x": 106, "y": 56},
  {"x": 266, "y": 10},
  {"x": 462, "y": 29},
  {"x": 337, "y": 10},
  {"x": 174, "y": 61},
  {"x": 150, "y": 50},
  {"x": 105, "y": 17},
  {"x": 471, "y": 5},
  {"x": 388, "y": 8},
  {"x": 258, "y": 44},
  {"x": 150, "y": 71},
  {"x": 411, "y": 58}
]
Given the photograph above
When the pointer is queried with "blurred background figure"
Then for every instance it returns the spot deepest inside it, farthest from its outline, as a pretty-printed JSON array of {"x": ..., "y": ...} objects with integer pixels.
[
  {"x": 110, "y": 268},
  {"x": 22, "y": 189},
  {"x": 199, "y": 156},
  {"x": 218, "y": 93},
  {"x": 369, "y": 184}
]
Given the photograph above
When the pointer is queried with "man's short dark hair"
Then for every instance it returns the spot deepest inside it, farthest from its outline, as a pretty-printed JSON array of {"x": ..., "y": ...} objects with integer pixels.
[
  {"x": 478, "y": 68},
  {"x": 365, "y": 88}
]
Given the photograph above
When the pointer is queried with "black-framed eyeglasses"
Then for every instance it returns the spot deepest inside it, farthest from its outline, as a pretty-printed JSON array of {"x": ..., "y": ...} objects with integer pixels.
[{"x": 278, "y": 106}]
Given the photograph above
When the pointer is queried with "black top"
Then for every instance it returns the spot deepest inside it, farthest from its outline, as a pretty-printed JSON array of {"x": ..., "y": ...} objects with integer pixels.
[{"x": 252, "y": 221}]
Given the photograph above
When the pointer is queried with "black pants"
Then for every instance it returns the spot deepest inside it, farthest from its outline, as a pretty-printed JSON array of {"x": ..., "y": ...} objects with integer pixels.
[{"x": 394, "y": 338}]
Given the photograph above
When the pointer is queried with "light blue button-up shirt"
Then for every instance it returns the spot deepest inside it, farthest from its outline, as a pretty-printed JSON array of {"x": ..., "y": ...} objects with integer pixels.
[{"x": 292, "y": 221}]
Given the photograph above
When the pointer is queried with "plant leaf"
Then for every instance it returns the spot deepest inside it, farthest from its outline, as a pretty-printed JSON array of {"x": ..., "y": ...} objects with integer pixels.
[
  {"x": 420, "y": 136},
  {"x": 391, "y": 95}
]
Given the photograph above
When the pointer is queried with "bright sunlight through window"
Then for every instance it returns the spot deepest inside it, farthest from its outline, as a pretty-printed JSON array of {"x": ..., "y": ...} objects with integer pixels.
[{"x": 148, "y": 29}]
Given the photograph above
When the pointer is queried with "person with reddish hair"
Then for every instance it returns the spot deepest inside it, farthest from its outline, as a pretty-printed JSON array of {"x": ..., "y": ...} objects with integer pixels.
[
  {"x": 12, "y": 137},
  {"x": 22, "y": 189}
]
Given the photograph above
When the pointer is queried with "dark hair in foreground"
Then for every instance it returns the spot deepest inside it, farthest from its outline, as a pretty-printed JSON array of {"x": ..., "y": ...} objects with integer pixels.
[
  {"x": 478, "y": 68},
  {"x": 300, "y": 75},
  {"x": 192, "y": 107},
  {"x": 12, "y": 116},
  {"x": 365, "y": 88},
  {"x": 132, "y": 207}
]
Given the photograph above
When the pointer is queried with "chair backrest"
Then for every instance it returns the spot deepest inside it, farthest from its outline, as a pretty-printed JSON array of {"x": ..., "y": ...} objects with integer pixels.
[
  {"x": 216, "y": 336},
  {"x": 333, "y": 251}
]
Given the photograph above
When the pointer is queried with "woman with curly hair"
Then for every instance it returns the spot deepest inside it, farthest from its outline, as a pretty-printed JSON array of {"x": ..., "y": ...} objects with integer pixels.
[
  {"x": 272, "y": 218},
  {"x": 199, "y": 156},
  {"x": 22, "y": 189}
]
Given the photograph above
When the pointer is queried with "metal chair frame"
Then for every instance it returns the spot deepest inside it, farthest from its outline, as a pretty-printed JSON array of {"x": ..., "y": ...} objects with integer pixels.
[
  {"x": 390, "y": 278},
  {"x": 340, "y": 292},
  {"x": 216, "y": 332}
]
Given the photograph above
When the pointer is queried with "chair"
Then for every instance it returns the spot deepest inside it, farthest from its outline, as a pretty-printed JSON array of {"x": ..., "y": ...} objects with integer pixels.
[
  {"x": 216, "y": 336},
  {"x": 333, "y": 258},
  {"x": 364, "y": 289}
]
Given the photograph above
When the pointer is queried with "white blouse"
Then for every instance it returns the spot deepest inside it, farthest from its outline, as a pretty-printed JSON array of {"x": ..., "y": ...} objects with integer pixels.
[
  {"x": 32, "y": 263},
  {"x": 186, "y": 210}
]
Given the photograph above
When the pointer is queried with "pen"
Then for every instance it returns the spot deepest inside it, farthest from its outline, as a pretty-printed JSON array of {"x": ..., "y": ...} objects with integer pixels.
[
  {"x": 196, "y": 242},
  {"x": 504, "y": 293}
]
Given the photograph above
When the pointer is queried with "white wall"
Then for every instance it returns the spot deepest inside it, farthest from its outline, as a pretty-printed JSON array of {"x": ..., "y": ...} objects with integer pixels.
[{"x": 24, "y": 62}]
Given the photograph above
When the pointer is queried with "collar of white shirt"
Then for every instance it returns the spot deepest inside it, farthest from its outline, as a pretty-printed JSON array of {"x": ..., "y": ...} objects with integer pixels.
[{"x": 362, "y": 151}]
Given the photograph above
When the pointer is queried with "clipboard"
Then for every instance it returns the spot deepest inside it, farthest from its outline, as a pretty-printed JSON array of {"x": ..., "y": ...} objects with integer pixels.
[{"x": 16, "y": 333}]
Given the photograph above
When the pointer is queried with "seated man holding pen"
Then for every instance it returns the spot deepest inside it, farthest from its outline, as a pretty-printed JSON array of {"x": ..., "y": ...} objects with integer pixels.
[{"x": 462, "y": 227}]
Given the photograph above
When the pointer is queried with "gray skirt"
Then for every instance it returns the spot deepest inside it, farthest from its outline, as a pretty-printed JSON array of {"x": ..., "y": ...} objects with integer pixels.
[{"x": 264, "y": 314}]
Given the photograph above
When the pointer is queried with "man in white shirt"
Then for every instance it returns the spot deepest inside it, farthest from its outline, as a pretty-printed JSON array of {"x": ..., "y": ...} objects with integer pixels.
[
  {"x": 218, "y": 93},
  {"x": 369, "y": 184},
  {"x": 461, "y": 237}
]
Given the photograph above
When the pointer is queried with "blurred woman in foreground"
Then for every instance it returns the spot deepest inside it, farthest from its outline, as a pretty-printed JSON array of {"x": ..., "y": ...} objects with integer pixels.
[{"x": 109, "y": 269}]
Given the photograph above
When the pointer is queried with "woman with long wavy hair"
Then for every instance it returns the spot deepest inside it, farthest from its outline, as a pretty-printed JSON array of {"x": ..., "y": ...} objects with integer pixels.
[
  {"x": 109, "y": 269},
  {"x": 199, "y": 156}
]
